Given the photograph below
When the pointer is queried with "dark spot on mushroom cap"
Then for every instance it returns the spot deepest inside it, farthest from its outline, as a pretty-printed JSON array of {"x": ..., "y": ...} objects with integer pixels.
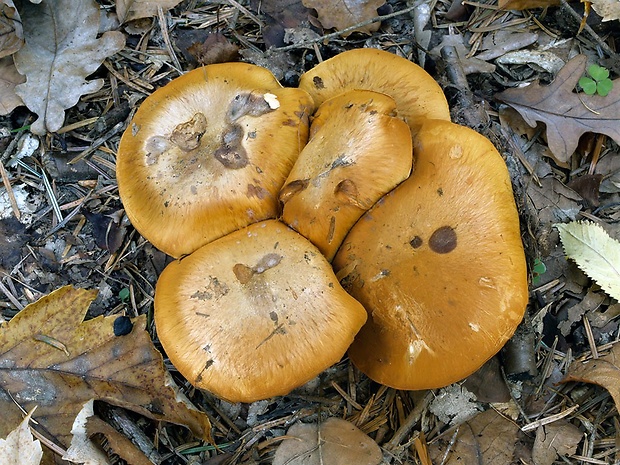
[
  {"x": 257, "y": 191},
  {"x": 416, "y": 242},
  {"x": 187, "y": 135},
  {"x": 267, "y": 262},
  {"x": 318, "y": 82},
  {"x": 443, "y": 240},
  {"x": 231, "y": 153},
  {"x": 253, "y": 104},
  {"x": 293, "y": 188},
  {"x": 243, "y": 273}
]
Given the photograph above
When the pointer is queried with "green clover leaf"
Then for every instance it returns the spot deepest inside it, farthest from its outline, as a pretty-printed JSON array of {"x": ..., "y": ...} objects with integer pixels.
[
  {"x": 588, "y": 85},
  {"x": 598, "y": 73},
  {"x": 604, "y": 87},
  {"x": 598, "y": 81}
]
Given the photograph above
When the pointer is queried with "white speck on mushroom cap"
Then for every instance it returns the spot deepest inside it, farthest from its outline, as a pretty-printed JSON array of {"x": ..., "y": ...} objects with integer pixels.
[{"x": 272, "y": 101}]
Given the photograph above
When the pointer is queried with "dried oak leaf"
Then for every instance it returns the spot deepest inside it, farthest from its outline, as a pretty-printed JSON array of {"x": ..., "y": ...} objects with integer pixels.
[
  {"x": 128, "y": 10},
  {"x": 487, "y": 439},
  {"x": 566, "y": 113},
  {"x": 61, "y": 50},
  {"x": 604, "y": 371},
  {"x": 9, "y": 78},
  {"x": 334, "y": 441},
  {"x": 11, "y": 31},
  {"x": 49, "y": 358},
  {"x": 341, "y": 14}
]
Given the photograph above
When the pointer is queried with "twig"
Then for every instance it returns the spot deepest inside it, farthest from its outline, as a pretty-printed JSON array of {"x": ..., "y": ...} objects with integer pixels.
[
  {"x": 52, "y": 196},
  {"x": 413, "y": 417},
  {"x": 163, "y": 25},
  {"x": 68, "y": 218},
  {"x": 9, "y": 149},
  {"x": 9, "y": 191},
  {"x": 549, "y": 419},
  {"x": 246, "y": 12},
  {"x": 11, "y": 297},
  {"x": 118, "y": 127}
]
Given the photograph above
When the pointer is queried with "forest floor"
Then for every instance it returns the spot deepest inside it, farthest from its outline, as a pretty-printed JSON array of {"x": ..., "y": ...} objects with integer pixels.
[{"x": 64, "y": 224}]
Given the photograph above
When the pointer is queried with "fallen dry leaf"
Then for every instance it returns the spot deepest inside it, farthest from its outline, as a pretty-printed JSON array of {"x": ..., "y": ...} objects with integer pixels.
[
  {"x": 346, "y": 13},
  {"x": 20, "y": 447},
  {"x": 116, "y": 442},
  {"x": 82, "y": 449},
  {"x": 49, "y": 358},
  {"x": 333, "y": 442},
  {"x": 607, "y": 9},
  {"x": 280, "y": 15},
  {"x": 9, "y": 78},
  {"x": 487, "y": 439},
  {"x": 567, "y": 114},
  {"x": 11, "y": 31},
  {"x": 128, "y": 10},
  {"x": 604, "y": 371},
  {"x": 61, "y": 50},
  {"x": 559, "y": 438}
]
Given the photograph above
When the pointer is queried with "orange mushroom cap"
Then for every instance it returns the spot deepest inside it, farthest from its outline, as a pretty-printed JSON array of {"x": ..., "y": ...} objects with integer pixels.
[
  {"x": 358, "y": 151},
  {"x": 254, "y": 314},
  {"x": 416, "y": 93},
  {"x": 208, "y": 153},
  {"x": 438, "y": 263}
]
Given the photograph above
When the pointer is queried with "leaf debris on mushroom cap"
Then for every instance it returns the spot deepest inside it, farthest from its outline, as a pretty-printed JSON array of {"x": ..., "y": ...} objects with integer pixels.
[
  {"x": 208, "y": 153},
  {"x": 254, "y": 314},
  {"x": 416, "y": 93},
  {"x": 438, "y": 263},
  {"x": 357, "y": 152}
]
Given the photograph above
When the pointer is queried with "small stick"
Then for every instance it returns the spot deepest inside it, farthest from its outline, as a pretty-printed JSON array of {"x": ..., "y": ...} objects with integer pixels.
[
  {"x": 9, "y": 191},
  {"x": 163, "y": 25},
  {"x": 549, "y": 419},
  {"x": 413, "y": 417}
]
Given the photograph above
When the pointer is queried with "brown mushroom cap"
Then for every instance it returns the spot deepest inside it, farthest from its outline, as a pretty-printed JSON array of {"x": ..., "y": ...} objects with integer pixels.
[
  {"x": 208, "y": 153},
  {"x": 438, "y": 263},
  {"x": 254, "y": 314},
  {"x": 416, "y": 93},
  {"x": 358, "y": 151}
]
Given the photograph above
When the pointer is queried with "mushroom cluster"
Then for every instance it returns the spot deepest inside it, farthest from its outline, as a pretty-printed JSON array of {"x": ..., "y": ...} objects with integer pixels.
[{"x": 346, "y": 214}]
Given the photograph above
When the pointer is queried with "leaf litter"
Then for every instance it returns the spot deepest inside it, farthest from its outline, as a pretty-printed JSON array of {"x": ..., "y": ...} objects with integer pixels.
[
  {"x": 571, "y": 314},
  {"x": 567, "y": 114},
  {"x": 61, "y": 50},
  {"x": 56, "y": 362}
]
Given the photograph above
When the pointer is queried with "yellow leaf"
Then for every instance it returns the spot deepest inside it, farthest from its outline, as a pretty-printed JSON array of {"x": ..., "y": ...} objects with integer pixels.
[
  {"x": 51, "y": 359},
  {"x": 597, "y": 254}
]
